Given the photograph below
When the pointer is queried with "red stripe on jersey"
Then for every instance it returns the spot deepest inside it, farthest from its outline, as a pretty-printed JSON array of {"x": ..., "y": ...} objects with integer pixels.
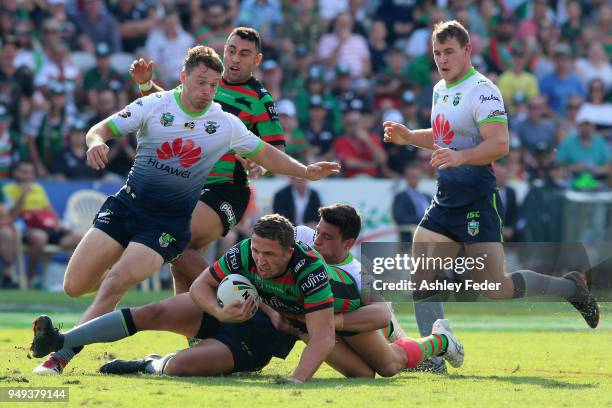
[
  {"x": 218, "y": 271},
  {"x": 340, "y": 276},
  {"x": 311, "y": 254},
  {"x": 239, "y": 88},
  {"x": 264, "y": 117},
  {"x": 345, "y": 305},
  {"x": 286, "y": 279},
  {"x": 310, "y": 305},
  {"x": 229, "y": 157},
  {"x": 273, "y": 138}
]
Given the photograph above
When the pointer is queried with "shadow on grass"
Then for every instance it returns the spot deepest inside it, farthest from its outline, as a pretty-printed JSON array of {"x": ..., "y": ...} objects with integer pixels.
[
  {"x": 524, "y": 380},
  {"x": 270, "y": 381}
]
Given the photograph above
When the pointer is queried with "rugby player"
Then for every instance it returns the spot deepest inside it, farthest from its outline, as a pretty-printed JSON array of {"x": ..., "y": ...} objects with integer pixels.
[
  {"x": 225, "y": 194},
  {"x": 469, "y": 132},
  {"x": 147, "y": 222},
  {"x": 248, "y": 346}
]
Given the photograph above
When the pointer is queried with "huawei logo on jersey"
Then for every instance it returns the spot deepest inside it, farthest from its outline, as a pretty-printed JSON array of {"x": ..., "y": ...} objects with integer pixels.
[
  {"x": 186, "y": 152},
  {"x": 442, "y": 130}
]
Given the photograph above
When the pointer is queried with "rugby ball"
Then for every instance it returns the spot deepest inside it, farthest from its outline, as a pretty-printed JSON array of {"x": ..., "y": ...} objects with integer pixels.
[{"x": 236, "y": 287}]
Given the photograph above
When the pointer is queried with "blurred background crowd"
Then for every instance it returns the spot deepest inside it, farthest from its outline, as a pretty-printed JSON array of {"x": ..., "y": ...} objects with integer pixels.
[{"x": 337, "y": 69}]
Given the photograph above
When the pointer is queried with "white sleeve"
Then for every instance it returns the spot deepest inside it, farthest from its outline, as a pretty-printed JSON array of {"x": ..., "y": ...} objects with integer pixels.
[
  {"x": 245, "y": 142},
  {"x": 132, "y": 117},
  {"x": 305, "y": 234},
  {"x": 488, "y": 104}
]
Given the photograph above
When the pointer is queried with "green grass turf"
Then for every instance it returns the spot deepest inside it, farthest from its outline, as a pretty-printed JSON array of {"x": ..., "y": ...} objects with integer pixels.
[{"x": 519, "y": 354}]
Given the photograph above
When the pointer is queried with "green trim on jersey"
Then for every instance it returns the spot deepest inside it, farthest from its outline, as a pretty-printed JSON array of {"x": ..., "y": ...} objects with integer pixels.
[
  {"x": 260, "y": 146},
  {"x": 114, "y": 128},
  {"x": 177, "y": 98},
  {"x": 468, "y": 74},
  {"x": 501, "y": 221},
  {"x": 348, "y": 259},
  {"x": 492, "y": 120}
]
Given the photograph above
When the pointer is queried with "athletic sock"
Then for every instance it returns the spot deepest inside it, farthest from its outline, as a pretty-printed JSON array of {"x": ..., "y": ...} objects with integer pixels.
[
  {"x": 529, "y": 283},
  {"x": 418, "y": 350},
  {"x": 107, "y": 328},
  {"x": 426, "y": 313}
]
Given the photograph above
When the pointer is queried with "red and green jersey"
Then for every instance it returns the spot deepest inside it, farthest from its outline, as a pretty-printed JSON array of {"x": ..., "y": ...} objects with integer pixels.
[
  {"x": 254, "y": 106},
  {"x": 308, "y": 284}
]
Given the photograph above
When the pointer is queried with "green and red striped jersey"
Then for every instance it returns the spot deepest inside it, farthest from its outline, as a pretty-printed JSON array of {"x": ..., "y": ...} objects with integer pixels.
[
  {"x": 254, "y": 106},
  {"x": 308, "y": 284}
]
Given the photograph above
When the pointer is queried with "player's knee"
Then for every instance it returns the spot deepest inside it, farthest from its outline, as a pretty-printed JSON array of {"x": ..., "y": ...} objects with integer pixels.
[
  {"x": 73, "y": 290},
  {"x": 386, "y": 371},
  {"x": 174, "y": 368}
]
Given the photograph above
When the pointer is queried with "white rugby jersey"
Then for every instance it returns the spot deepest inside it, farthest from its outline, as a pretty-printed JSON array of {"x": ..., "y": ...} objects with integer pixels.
[
  {"x": 177, "y": 149},
  {"x": 458, "y": 111}
]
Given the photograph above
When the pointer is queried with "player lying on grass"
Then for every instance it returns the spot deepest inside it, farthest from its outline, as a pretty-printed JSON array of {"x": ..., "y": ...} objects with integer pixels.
[
  {"x": 236, "y": 347},
  {"x": 147, "y": 223}
]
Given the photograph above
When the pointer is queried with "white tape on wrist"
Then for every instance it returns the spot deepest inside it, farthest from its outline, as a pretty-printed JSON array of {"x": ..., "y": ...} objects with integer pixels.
[{"x": 146, "y": 86}]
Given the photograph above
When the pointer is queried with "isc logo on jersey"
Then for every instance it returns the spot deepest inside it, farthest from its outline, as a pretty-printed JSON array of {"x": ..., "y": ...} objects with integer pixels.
[{"x": 187, "y": 153}]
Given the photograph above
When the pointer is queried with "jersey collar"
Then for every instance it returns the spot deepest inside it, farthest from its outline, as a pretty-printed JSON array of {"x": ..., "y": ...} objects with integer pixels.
[
  {"x": 468, "y": 74},
  {"x": 347, "y": 260},
  {"x": 177, "y": 98},
  {"x": 223, "y": 80}
]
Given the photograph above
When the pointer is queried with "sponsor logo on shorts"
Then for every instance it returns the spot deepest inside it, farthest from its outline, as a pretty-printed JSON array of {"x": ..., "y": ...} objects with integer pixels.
[
  {"x": 103, "y": 217},
  {"x": 211, "y": 127},
  {"x": 165, "y": 239},
  {"x": 314, "y": 281},
  {"x": 166, "y": 119},
  {"x": 473, "y": 226},
  {"x": 229, "y": 213}
]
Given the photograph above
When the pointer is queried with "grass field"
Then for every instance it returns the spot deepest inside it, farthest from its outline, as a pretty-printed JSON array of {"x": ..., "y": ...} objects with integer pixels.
[{"x": 519, "y": 354}]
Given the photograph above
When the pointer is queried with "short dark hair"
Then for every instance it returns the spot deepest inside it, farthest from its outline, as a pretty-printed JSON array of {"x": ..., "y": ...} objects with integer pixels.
[
  {"x": 249, "y": 34},
  {"x": 451, "y": 29},
  {"x": 277, "y": 228},
  {"x": 343, "y": 216},
  {"x": 201, "y": 54}
]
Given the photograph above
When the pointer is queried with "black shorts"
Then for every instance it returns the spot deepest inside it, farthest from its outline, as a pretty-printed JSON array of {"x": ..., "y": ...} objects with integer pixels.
[
  {"x": 253, "y": 343},
  {"x": 168, "y": 236},
  {"x": 229, "y": 201},
  {"x": 478, "y": 222}
]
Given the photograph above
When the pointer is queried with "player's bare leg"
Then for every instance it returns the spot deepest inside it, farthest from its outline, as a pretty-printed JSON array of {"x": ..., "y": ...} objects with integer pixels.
[
  {"x": 92, "y": 258},
  {"x": 344, "y": 360},
  {"x": 137, "y": 263},
  {"x": 206, "y": 227}
]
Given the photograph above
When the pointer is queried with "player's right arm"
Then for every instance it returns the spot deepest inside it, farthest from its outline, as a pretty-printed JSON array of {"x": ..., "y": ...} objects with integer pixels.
[
  {"x": 401, "y": 135},
  {"x": 320, "y": 325},
  {"x": 97, "y": 150},
  {"x": 142, "y": 73}
]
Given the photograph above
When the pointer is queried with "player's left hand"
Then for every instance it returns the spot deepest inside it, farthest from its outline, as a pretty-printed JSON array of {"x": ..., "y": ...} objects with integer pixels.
[
  {"x": 443, "y": 157},
  {"x": 320, "y": 170},
  {"x": 254, "y": 169}
]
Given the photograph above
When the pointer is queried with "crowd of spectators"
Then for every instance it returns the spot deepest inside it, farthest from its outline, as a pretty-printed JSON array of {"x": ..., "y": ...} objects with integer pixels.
[{"x": 337, "y": 69}]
